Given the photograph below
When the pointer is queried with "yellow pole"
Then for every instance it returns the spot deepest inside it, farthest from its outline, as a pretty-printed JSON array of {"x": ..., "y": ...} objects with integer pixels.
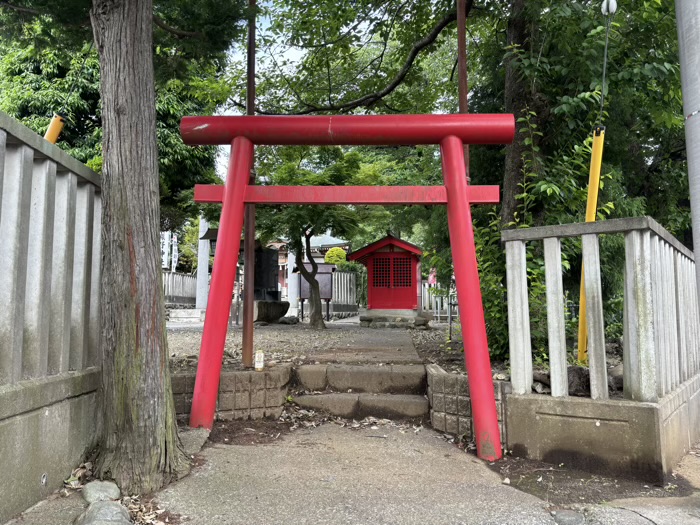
[
  {"x": 591, "y": 211},
  {"x": 55, "y": 128}
]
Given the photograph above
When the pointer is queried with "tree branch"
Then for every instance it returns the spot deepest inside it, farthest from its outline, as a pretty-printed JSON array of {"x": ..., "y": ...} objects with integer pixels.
[
  {"x": 20, "y": 9},
  {"x": 175, "y": 31},
  {"x": 156, "y": 20},
  {"x": 372, "y": 98}
]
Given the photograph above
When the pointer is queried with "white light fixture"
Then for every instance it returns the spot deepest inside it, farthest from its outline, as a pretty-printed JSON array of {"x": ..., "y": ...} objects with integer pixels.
[{"x": 609, "y": 7}]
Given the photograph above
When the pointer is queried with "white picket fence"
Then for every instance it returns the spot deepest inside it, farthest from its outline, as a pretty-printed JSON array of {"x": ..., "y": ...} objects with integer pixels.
[
  {"x": 437, "y": 304},
  {"x": 179, "y": 288}
]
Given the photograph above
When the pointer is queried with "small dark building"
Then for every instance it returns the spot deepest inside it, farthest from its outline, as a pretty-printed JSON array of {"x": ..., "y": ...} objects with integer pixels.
[{"x": 393, "y": 273}]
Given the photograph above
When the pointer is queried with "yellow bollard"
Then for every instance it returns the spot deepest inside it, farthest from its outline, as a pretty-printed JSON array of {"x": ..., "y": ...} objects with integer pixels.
[
  {"x": 55, "y": 128},
  {"x": 591, "y": 212}
]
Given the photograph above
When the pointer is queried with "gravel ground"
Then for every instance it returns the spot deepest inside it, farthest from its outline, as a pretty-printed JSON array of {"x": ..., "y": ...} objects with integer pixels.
[{"x": 300, "y": 344}]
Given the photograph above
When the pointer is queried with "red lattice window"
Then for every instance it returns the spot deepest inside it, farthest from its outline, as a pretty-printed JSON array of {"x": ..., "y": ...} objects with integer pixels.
[
  {"x": 381, "y": 275},
  {"x": 402, "y": 272}
]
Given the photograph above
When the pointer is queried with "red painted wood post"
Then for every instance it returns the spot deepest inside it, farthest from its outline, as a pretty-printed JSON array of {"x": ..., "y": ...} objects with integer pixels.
[
  {"x": 206, "y": 386},
  {"x": 471, "y": 310}
]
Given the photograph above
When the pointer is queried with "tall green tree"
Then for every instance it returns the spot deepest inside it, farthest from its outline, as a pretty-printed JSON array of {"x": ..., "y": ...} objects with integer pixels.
[{"x": 307, "y": 166}]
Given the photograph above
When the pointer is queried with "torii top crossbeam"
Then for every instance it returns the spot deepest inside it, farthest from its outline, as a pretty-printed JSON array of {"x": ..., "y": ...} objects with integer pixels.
[
  {"x": 451, "y": 132},
  {"x": 349, "y": 130}
]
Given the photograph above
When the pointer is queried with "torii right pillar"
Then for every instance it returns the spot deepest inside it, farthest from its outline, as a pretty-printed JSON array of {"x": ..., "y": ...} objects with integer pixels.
[{"x": 471, "y": 311}]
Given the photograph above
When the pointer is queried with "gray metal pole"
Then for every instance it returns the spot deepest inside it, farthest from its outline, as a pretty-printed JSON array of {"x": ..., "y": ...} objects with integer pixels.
[
  {"x": 688, "y": 22},
  {"x": 202, "y": 266}
]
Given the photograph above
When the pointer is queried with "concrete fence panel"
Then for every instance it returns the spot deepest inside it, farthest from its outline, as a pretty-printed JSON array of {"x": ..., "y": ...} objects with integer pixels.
[{"x": 50, "y": 238}]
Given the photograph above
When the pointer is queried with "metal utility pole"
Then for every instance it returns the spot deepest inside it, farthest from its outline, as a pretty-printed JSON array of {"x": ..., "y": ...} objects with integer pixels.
[
  {"x": 249, "y": 232},
  {"x": 688, "y": 23}
]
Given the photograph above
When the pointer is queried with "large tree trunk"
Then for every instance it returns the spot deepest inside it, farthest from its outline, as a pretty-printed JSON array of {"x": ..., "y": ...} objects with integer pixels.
[
  {"x": 516, "y": 102},
  {"x": 139, "y": 446}
]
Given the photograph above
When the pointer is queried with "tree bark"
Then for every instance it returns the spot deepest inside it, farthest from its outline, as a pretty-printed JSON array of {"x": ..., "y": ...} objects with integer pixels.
[
  {"x": 139, "y": 445},
  {"x": 315, "y": 306},
  {"x": 516, "y": 102}
]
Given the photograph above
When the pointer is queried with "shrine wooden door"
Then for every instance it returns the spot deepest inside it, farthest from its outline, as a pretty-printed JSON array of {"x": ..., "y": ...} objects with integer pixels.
[{"x": 391, "y": 283}]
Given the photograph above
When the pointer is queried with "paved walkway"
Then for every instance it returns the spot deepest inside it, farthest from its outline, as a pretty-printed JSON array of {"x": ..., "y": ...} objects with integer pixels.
[{"x": 334, "y": 475}]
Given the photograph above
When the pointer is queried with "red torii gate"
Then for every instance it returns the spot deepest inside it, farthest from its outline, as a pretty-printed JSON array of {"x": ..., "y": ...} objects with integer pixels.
[{"x": 451, "y": 132}]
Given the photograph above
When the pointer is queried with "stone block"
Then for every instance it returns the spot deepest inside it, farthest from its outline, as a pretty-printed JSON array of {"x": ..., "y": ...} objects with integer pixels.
[
  {"x": 451, "y": 424},
  {"x": 226, "y": 401},
  {"x": 451, "y": 384},
  {"x": 278, "y": 376},
  {"x": 242, "y": 383},
  {"x": 462, "y": 385},
  {"x": 233, "y": 414},
  {"x": 342, "y": 378},
  {"x": 257, "y": 413},
  {"x": 50, "y": 441},
  {"x": 101, "y": 512},
  {"x": 464, "y": 406},
  {"x": 365, "y": 324},
  {"x": 612, "y": 437},
  {"x": 465, "y": 426},
  {"x": 439, "y": 402},
  {"x": 227, "y": 382},
  {"x": 451, "y": 404},
  {"x": 257, "y": 381},
  {"x": 437, "y": 420},
  {"x": 501, "y": 389},
  {"x": 275, "y": 397},
  {"x": 273, "y": 412},
  {"x": 343, "y": 405},
  {"x": 408, "y": 379},
  {"x": 183, "y": 382},
  {"x": 257, "y": 398},
  {"x": 391, "y": 405},
  {"x": 183, "y": 403},
  {"x": 436, "y": 378},
  {"x": 101, "y": 491},
  {"x": 241, "y": 400},
  {"x": 311, "y": 377}
]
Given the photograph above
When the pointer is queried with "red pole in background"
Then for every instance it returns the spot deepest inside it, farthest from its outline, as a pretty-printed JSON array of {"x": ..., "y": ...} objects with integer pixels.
[
  {"x": 206, "y": 386},
  {"x": 249, "y": 221},
  {"x": 471, "y": 310}
]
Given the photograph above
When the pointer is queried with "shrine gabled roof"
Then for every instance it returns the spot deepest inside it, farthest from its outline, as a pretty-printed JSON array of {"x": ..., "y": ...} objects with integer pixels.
[{"x": 362, "y": 254}]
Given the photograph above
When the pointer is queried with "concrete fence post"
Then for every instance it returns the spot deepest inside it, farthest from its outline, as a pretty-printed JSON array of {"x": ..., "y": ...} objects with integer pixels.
[
  {"x": 518, "y": 318},
  {"x": 14, "y": 233},
  {"x": 594, "y": 317},
  {"x": 639, "y": 352},
  {"x": 39, "y": 254},
  {"x": 555, "y": 318},
  {"x": 82, "y": 269}
]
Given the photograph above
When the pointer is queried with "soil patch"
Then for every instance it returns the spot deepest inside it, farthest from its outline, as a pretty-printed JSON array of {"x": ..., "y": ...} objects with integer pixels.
[
  {"x": 560, "y": 485},
  {"x": 253, "y": 432}
]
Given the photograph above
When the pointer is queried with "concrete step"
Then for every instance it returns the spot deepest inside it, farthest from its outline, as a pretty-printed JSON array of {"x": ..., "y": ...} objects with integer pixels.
[
  {"x": 392, "y": 406},
  {"x": 396, "y": 379}
]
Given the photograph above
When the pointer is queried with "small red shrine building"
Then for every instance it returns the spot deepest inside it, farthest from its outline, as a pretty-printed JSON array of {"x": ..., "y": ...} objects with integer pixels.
[{"x": 393, "y": 273}]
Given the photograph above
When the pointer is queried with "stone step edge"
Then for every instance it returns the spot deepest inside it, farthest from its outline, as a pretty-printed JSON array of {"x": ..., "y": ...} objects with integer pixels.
[
  {"x": 390, "y": 406},
  {"x": 395, "y": 379}
]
